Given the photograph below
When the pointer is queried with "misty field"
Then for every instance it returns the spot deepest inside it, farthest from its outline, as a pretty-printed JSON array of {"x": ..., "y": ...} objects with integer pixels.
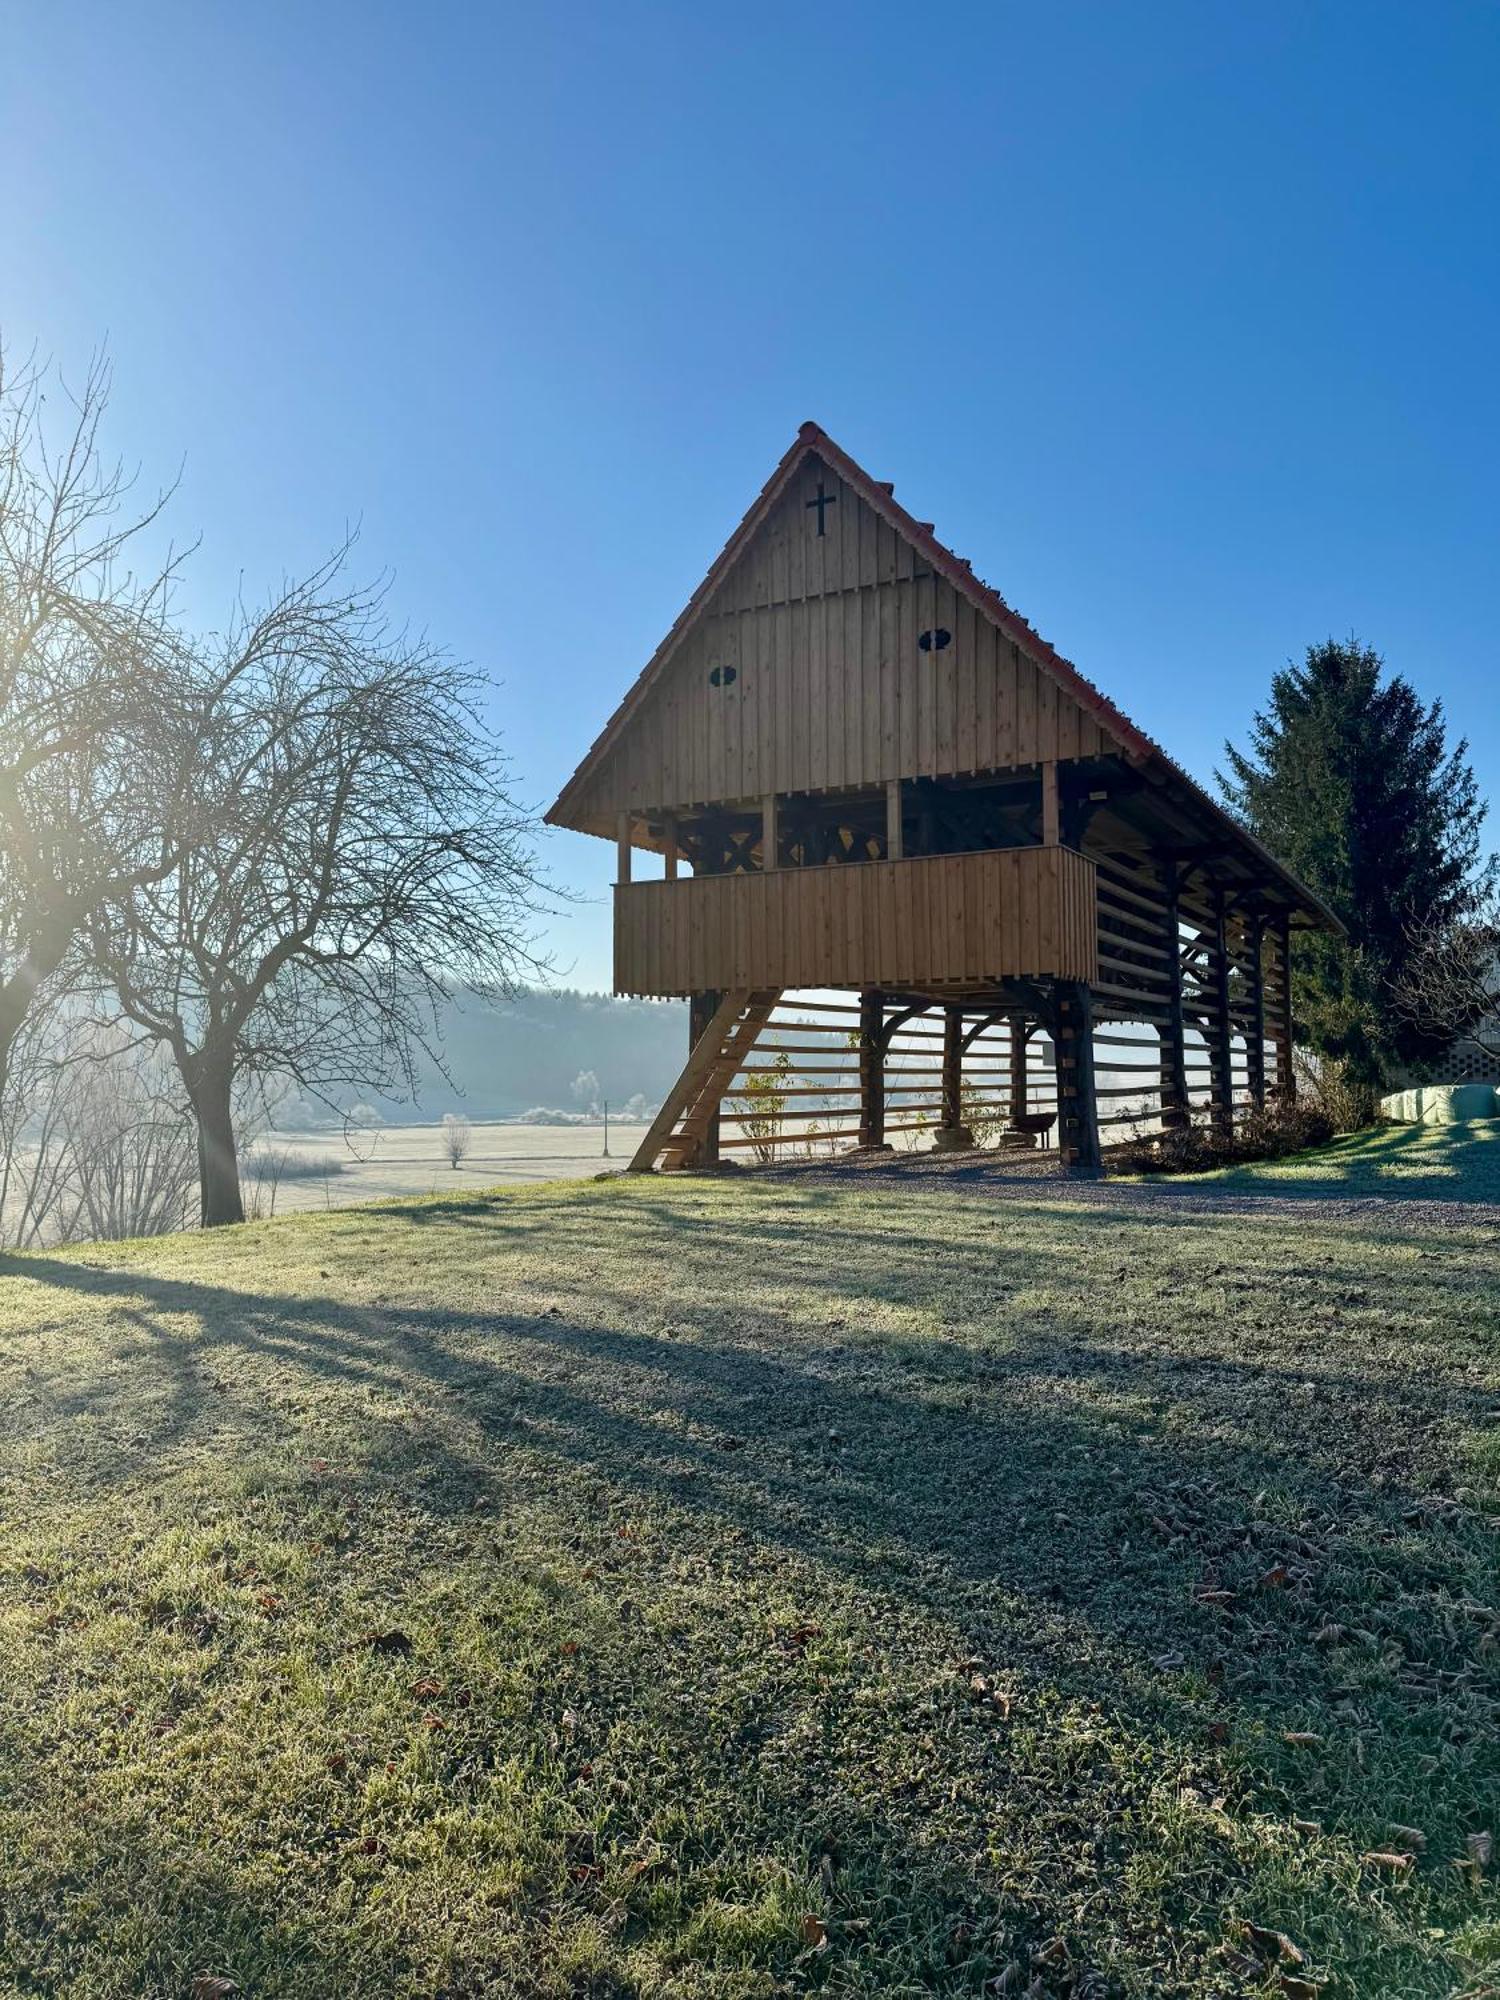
[
  {"x": 331, "y": 1171},
  {"x": 755, "y": 1586}
]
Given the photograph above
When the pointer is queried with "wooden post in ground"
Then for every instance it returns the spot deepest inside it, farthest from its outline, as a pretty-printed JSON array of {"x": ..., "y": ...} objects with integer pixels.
[
  {"x": 1077, "y": 1104},
  {"x": 1019, "y": 1105},
  {"x": 1286, "y": 1076},
  {"x": 871, "y": 1070},
  {"x": 1175, "y": 1114},
  {"x": 1255, "y": 1046},
  {"x": 1221, "y": 1042},
  {"x": 701, "y": 1009},
  {"x": 952, "y": 1133}
]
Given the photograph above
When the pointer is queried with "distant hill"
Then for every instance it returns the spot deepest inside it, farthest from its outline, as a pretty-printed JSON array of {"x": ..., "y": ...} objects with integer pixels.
[{"x": 509, "y": 1057}]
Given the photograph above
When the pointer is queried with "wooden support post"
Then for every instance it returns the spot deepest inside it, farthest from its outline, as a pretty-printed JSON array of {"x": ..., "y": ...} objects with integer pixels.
[
  {"x": 1255, "y": 1047},
  {"x": 952, "y": 1134},
  {"x": 871, "y": 1069},
  {"x": 1019, "y": 1094},
  {"x": 894, "y": 848},
  {"x": 1221, "y": 1043},
  {"x": 702, "y": 1008},
  {"x": 1077, "y": 1104},
  {"x": 1051, "y": 812},
  {"x": 1175, "y": 1114},
  {"x": 770, "y": 838},
  {"x": 669, "y": 846},
  {"x": 623, "y": 848},
  {"x": 1286, "y": 1076}
]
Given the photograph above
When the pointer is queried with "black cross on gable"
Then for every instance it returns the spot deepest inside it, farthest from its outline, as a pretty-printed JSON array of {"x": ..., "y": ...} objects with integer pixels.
[{"x": 823, "y": 502}]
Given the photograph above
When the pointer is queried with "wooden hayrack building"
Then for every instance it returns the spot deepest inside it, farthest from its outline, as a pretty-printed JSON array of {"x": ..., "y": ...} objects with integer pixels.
[{"x": 893, "y": 794}]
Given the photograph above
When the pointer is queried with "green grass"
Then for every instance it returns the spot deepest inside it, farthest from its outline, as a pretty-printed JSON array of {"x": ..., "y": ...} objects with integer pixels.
[
  {"x": 1419, "y": 1162},
  {"x": 781, "y": 1588}
]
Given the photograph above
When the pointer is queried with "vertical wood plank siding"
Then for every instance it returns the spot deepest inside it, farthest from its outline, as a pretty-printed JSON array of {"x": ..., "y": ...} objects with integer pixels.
[
  {"x": 830, "y": 686},
  {"x": 1025, "y": 912}
]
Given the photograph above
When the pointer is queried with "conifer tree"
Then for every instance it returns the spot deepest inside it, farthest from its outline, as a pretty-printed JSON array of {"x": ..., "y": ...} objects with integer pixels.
[{"x": 1349, "y": 779}]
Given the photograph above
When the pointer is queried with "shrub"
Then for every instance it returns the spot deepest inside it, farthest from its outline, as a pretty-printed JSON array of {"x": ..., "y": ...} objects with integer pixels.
[{"x": 1268, "y": 1132}]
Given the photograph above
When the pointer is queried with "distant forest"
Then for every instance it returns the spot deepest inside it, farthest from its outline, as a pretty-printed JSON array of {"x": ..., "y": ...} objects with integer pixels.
[{"x": 562, "y": 1051}]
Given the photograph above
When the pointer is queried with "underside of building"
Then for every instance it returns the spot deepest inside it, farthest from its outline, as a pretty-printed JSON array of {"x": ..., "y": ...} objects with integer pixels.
[{"x": 890, "y": 816}]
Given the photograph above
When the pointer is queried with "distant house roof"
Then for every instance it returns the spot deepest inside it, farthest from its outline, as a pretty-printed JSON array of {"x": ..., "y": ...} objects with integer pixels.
[{"x": 1139, "y": 748}]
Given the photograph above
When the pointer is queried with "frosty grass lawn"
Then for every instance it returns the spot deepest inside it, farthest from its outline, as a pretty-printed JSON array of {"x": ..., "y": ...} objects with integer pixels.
[{"x": 742, "y": 1587}]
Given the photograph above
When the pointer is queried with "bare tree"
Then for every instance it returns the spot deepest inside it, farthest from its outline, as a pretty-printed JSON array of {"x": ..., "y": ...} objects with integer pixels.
[
  {"x": 457, "y": 1135},
  {"x": 365, "y": 856},
  {"x": 96, "y": 1139},
  {"x": 1451, "y": 987},
  {"x": 90, "y": 751}
]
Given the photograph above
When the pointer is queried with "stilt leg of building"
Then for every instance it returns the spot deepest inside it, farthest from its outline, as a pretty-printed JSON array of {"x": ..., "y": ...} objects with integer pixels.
[
  {"x": 1286, "y": 1076},
  {"x": 1019, "y": 1095},
  {"x": 1175, "y": 1114},
  {"x": 1255, "y": 1044},
  {"x": 871, "y": 1070},
  {"x": 701, "y": 1009},
  {"x": 1077, "y": 1105},
  {"x": 1221, "y": 1041},
  {"x": 952, "y": 1134}
]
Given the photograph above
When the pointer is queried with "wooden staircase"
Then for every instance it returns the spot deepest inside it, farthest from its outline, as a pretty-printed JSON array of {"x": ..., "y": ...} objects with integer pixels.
[{"x": 677, "y": 1132}]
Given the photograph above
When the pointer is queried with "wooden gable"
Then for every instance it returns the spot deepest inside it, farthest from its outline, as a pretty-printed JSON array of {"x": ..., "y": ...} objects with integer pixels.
[{"x": 816, "y": 662}]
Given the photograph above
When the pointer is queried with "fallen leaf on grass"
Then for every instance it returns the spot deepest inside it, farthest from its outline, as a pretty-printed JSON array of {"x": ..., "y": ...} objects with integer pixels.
[
  {"x": 1271, "y": 1944},
  {"x": 213, "y": 1986},
  {"x": 1304, "y": 1739},
  {"x": 1480, "y": 1849},
  {"x": 1274, "y": 1577},
  {"x": 391, "y": 1644},
  {"x": 1218, "y": 1732},
  {"x": 1306, "y": 1826},
  {"x": 1295, "y": 1987},
  {"x": 1383, "y": 1857},
  {"x": 1411, "y": 1837},
  {"x": 1208, "y": 1593},
  {"x": 426, "y": 1688},
  {"x": 814, "y": 1932}
]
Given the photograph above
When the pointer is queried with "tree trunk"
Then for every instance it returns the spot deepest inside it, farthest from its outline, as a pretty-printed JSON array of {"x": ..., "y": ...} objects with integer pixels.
[{"x": 210, "y": 1090}]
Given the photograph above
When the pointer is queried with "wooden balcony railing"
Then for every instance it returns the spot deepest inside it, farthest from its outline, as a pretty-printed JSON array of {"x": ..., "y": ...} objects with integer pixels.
[{"x": 937, "y": 920}]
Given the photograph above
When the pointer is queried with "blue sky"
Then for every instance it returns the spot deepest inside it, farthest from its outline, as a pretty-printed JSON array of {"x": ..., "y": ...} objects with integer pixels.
[{"x": 1180, "y": 321}]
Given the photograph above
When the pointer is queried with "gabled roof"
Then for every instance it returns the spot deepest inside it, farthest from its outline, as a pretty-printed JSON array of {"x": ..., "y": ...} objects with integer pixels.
[{"x": 812, "y": 440}]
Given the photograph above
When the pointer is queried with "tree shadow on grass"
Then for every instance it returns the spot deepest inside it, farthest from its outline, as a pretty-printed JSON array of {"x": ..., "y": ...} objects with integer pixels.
[{"x": 1053, "y": 1495}]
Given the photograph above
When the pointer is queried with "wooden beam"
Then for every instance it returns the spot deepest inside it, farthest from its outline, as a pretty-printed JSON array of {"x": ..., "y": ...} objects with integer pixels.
[
  {"x": 669, "y": 847},
  {"x": 1077, "y": 1103},
  {"x": 871, "y": 1070},
  {"x": 894, "y": 849},
  {"x": 1051, "y": 813},
  {"x": 953, "y": 1068},
  {"x": 623, "y": 848},
  {"x": 1221, "y": 1041},
  {"x": 703, "y": 1013},
  {"x": 1286, "y": 1076},
  {"x": 770, "y": 841},
  {"x": 1018, "y": 1089},
  {"x": 1255, "y": 1046},
  {"x": 1175, "y": 1115}
]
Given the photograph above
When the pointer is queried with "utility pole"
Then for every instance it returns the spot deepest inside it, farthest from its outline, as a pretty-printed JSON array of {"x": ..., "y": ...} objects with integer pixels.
[{"x": 606, "y": 1128}]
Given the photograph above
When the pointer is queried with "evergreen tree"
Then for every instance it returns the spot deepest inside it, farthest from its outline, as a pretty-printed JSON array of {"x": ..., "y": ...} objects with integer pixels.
[{"x": 1349, "y": 780}]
